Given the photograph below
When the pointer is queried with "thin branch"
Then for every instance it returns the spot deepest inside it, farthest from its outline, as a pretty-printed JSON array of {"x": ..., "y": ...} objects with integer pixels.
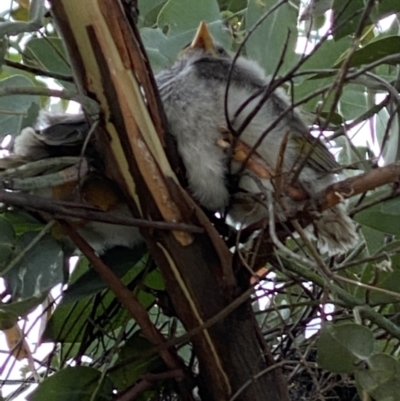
[
  {"x": 38, "y": 71},
  {"x": 349, "y": 300},
  {"x": 89, "y": 104},
  {"x": 125, "y": 296},
  {"x": 353, "y": 186},
  {"x": 62, "y": 209}
]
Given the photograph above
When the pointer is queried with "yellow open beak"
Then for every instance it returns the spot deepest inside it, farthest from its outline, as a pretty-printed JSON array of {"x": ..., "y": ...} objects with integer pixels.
[{"x": 203, "y": 40}]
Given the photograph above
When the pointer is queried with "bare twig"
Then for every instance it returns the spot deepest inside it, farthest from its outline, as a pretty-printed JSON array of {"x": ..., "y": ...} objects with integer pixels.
[
  {"x": 125, "y": 296},
  {"x": 38, "y": 71},
  {"x": 80, "y": 211}
]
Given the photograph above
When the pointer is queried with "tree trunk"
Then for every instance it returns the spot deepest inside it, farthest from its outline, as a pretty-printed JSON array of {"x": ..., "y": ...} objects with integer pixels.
[{"x": 108, "y": 62}]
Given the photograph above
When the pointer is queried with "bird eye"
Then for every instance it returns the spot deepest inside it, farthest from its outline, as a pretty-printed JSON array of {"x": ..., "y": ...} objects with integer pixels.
[{"x": 221, "y": 51}]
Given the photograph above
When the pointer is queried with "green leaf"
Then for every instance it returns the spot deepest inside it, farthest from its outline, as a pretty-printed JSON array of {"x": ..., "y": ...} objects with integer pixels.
[
  {"x": 145, "y": 298},
  {"x": 120, "y": 260},
  {"x": 383, "y": 217},
  {"x": 48, "y": 54},
  {"x": 386, "y": 279},
  {"x": 383, "y": 222},
  {"x": 154, "y": 280},
  {"x": 384, "y": 362},
  {"x": 373, "y": 51},
  {"x": 340, "y": 347},
  {"x": 132, "y": 364},
  {"x": 67, "y": 323},
  {"x": 374, "y": 239},
  {"x": 324, "y": 57},
  {"x": 182, "y": 16},
  {"x": 347, "y": 15},
  {"x": 148, "y": 12},
  {"x": 156, "y": 46},
  {"x": 382, "y": 379},
  {"x": 180, "y": 19},
  {"x": 383, "y": 8},
  {"x": 11, "y": 312},
  {"x": 32, "y": 115},
  {"x": 387, "y": 129},
  {"x": 40, "y": 269},
  {"x": 7, "y": 242},
  {"x": 232, "y": 6},
  {"x": 327, "y": 54},
  {"x": 353, "y": 102},
  {"x": 74, "y": 384},
  {"x": 22, "y": 222},
  {"x": 268, "y": 41},
  {"x": 70, "y": 320},
  {"x": 147, "y": 6},
  {"x": 13, "y": 108}
]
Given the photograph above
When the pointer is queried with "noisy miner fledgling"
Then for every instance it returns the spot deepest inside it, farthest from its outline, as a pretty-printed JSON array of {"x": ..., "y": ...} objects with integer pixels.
[
  {"x": 56, "y": 137},
  {"x": 193, "y": 92}
]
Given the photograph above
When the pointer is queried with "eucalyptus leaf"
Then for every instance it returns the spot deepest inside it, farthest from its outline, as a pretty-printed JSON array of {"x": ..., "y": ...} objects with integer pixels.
[
  {"x": 340, "y": 347},
  {"x": 353, "y": 102},
  {"x": 146, "y": 6},
  {"x": 374, "y": 51},
  {"x": 382, "y": 379},
  {"x": 7, "y": 242},
  {"x": 49, "y": 54},
  {"x": 120, "y": 260},
  {"x": 14, "y": 108},
  {"x": 348, "y": 14},
  {"x": 156, "y": 44},
  {"x": 383, "y": 222},
  {"x": 11, "y": 312},
  {"x": 22, "y": 222},
  {"x": 74, "y": 384},
  {"x": 275, "y": 33},
  {"x": 133, "y": 365},
  {"x": 39, "y": 270},
  {"x": 70, "y": 320},
  {"x": 180, "y": 20},
  {"x": 148, "y": 12}
]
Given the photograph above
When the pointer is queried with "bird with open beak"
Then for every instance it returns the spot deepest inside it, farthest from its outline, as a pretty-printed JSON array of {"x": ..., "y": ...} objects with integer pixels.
[{"x": 193, "y": 92}]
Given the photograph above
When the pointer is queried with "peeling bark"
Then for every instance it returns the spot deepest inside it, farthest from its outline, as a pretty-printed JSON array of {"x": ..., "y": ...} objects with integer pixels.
[{"x": 110, "y": 67}]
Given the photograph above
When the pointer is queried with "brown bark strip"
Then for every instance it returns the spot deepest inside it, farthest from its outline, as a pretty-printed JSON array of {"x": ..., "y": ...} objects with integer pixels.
[
  {"x": 128, "y": 97},
  {"x": 133, "y": 60}
]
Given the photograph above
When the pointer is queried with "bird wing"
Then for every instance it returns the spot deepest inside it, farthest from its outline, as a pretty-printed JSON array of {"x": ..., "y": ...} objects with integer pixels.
[{"x": 317, "y": 154}]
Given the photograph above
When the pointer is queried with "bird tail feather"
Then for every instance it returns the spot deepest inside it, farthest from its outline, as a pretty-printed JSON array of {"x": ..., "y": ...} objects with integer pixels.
[{"x": 334, "y": 231}]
